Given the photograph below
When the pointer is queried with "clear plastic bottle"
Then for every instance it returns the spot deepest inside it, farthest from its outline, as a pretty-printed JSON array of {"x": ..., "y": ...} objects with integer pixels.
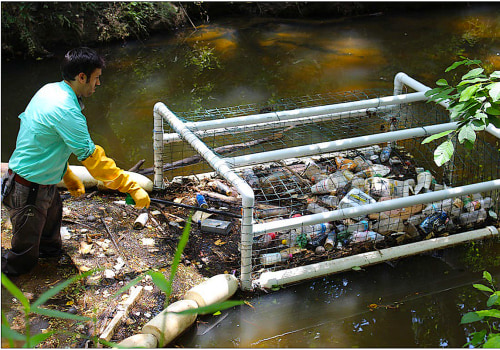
[
  {"x": 330, "y": 241},
  {"x": 358, "y": 226},
  {"x": 311, "y": 231},
  {"x": 316, "y": 208},
  {"x": 331, "y": 201},
  {"x": 274, "y": 258},
  {"x": 447, "y": 205},
  {"x": 356, "y": 198},
  {"x": 472, "y": 217},
  {"x": 313, "y": 170},
  {"x": 385, "y": 154},
  {"x": 266, "y": 239},
  {"x": 484, "y": 203},
  {"x": 364, "y": 236},
  {"x": 424, "y": 180},
  {"x": 333, "y": 182},
  {"x": 388, "y": 225}
]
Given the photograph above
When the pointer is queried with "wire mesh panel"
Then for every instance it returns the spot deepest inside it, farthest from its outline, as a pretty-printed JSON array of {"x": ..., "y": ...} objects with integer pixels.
[{"x": 352, "y": 177}]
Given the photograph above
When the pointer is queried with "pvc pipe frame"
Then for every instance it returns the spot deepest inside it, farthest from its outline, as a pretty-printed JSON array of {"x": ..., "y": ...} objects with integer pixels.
[
  {"x": 402, "y": 79},
  {"x": 268, "y": 280},
  {"x": 221, "y": 167},
  {"x": 248, "y": 230}
]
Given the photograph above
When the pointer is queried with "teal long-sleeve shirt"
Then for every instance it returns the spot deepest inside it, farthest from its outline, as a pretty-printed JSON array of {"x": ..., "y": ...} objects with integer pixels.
[{"x": 52, "y": 127}]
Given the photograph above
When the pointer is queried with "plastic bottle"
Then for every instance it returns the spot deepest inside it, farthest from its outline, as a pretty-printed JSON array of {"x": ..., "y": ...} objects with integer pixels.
[
  {"x": 333, "y": 182},
  {"x": 290, "y": 239},
  {"x": 331, "y": 201},
  {"x": 364, "y": 236},
  {"x": 221, "y": 187},
  {"x": 311, "y": 231},
  {"x": 330, "y": 241},
  {"x": 374, "y": 170},
  {"x": 472, "y": 217},
  {"x": 359, "y": 226},
  {"x": 355, "y": 198},
  {"x": 385, "y": 154},
  {"x": 448, "y": 205},
  {"x": 394, "y": 224},
  {"x": 436, "y": 222},
  {"x": 379, "y": 187},
  {"x": 251, "y": 178},
  {"x": 201, "y": 201},
  {"x": 316, "y": 208},
  {"x": 416, "y": 219},
  {"x": 266, "y": 239},
  {"x": 478, "y": 204},
  {"x": 402, "y": 188},
  {"x": 361, "y": 163},
  {"x": 274, "y": 258},
  {"x": 424, "y": 180},
  {"x": 313, "y": 170},
  {"x": 344, "y": 163}
]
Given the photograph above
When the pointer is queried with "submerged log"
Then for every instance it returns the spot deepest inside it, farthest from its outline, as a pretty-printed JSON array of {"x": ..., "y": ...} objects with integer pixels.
[{"x": 220, "y": 150}]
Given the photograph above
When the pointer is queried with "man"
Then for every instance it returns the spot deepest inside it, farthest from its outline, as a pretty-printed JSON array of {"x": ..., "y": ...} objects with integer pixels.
[{"x": 52, "y": 127}]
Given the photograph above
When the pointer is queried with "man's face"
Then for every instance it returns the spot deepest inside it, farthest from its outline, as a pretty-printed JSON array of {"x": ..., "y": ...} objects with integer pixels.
[{"x": 89, "y": 88}]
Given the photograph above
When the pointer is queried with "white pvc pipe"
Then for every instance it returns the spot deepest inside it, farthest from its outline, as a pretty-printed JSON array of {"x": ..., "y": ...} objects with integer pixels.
[
  {"x": 331, "y": 146},
  {"x": 158, "y": 181},
  {"x": 280, "y": 225},
  {"x": 268, "y": 280},
  {"x": 174, "y": 137},
  {"x": 402, "y": 79},
  {"x": 306, "y": 112},
  {"x": 221, "y": 167}
]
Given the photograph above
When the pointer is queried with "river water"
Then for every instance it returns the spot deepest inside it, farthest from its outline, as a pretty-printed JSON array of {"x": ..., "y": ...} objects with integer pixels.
[{"x": 416, "y": 302}]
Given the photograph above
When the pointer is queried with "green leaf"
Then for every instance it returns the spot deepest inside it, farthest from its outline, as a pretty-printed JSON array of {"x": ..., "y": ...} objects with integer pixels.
[
  {"x": 455, "y": 65},
  {"x": 53, "y": 291},
  {"x": 468, "y": 93},
  {"x": 38, "y": 338},
  {"x": 443, "y": 153},
  {"x": 442, "y": 82},
  {"x": 16, "y": 292},
  {"x": 467, "y": 133},
  {"x": 493, "y": 341},
  {"x": 493, "y": 110},
  {"x": 489, "y": 313},
  {"x": 9, "y": 333},
  {"x": 472, "y": 81},
  {"x": 470, "y": 317},
  {"x": 495, "y": 92},
  {"x": 494, "y": 120},
  {"x": 160, "y": 281},
  {"x": 477, "y": 338},
  {"x": 495, "y": 74},
  {"x": 433, "y": 91},
  {"x": 487, "y": 276},
  {"x": 128, "y": 285},
  {"x": 483, "y": 288},
  {"x": 473, "y": 73},
  {"x": 436, "y": 136},
  {"x": 356, "y": 268},
  {"x": 59, "y": 314},
  {"x": 494, "y": 299}
]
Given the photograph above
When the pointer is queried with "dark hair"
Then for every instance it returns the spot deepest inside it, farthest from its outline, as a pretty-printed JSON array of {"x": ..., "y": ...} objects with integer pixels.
[{"x": 80, "y": 60}]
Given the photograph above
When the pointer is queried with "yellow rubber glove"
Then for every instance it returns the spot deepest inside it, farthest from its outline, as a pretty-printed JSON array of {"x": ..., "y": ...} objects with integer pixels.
[
  {"x": 104, "y": 169},
  {"x": 73, "y": 183}
]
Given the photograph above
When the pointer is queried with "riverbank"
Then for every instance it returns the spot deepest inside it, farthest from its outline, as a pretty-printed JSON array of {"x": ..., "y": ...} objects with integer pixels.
[{"x": 36, "y": 30}]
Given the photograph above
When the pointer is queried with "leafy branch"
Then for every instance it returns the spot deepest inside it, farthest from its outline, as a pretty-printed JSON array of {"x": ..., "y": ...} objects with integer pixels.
[
  {"x": 485, "y": 338},
  {"x": 474, "y": 103}
]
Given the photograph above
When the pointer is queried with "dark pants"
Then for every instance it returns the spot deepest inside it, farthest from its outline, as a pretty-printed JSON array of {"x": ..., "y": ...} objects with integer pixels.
[{"x": 35, "y": 226}]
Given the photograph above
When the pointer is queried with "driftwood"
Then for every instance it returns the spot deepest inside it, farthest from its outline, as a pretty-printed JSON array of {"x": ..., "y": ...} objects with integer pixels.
[
  {"x": 221, "y": 150},
  {"x": 135, "y": 292},
  {"x": 136, "y": 167}
]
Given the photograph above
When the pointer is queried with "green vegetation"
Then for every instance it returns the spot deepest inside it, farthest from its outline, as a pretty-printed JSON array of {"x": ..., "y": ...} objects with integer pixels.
[
  {"x": 490, "y": 337},
  {"x": 30, "y": 341},
  {"x": 474, "y": 103},
  {"x": 33, "y": 28}
]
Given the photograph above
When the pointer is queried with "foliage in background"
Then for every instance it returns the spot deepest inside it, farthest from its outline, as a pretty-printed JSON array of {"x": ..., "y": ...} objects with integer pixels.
[
  {"x": 486, "y": 338},
  {"x": 474, "y": 103},
  {"x": 32, "y": 28},
  {"x": 158, "y": 278}
]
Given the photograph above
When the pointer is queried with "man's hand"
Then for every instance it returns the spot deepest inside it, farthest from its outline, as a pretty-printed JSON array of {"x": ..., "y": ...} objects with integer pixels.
[{"x": 73, "y": 183}]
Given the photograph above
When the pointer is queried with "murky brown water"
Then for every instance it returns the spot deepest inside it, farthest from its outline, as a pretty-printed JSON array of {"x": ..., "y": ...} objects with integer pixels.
[{"x": 239, "y": 61}]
